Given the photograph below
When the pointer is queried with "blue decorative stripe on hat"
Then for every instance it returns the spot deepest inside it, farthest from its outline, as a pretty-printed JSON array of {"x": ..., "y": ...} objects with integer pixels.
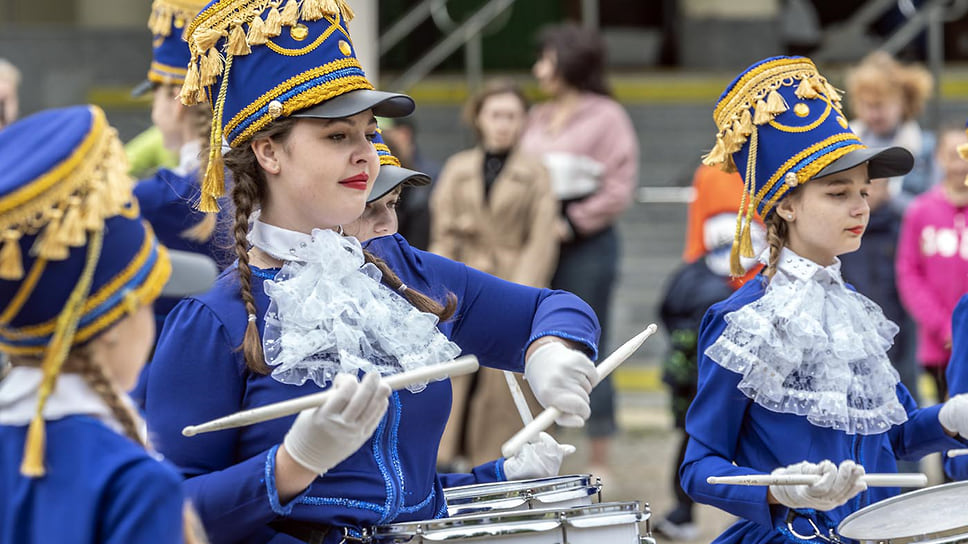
[
  {"x": 383, "y": 150},
  {"x": 292, "y": 100}
]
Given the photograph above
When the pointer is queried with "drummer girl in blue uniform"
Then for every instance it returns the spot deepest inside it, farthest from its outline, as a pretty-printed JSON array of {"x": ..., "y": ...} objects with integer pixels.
[
  {"x": 79, "y": 270},
  {"x": 297, "y": 111},
  {"x": 795, "y": 378}
]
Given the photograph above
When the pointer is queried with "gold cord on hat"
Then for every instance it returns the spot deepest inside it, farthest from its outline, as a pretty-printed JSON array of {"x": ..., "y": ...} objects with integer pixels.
[{"x": 32, "y": 465}]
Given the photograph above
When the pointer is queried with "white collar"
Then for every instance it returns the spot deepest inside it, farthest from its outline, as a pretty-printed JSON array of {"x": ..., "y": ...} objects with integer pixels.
[
  {"x": 803, "y": 269},
  {"x": 279, "y": 243},
  {"x": 71, "y": 396},
  {"x": 188, "y": 158}
]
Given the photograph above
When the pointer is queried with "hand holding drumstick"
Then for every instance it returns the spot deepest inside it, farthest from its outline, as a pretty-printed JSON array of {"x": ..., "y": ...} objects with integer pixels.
[{"x": 820, "y": 486}]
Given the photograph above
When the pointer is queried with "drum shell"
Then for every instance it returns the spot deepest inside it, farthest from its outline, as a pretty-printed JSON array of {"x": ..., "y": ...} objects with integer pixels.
[
  {"x": 559, "y": 492},
  {"x": 617, "y": 523}
]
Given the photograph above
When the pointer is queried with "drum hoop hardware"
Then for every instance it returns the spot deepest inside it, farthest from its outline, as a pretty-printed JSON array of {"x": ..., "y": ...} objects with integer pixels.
[{"x": 817, "y": 533}]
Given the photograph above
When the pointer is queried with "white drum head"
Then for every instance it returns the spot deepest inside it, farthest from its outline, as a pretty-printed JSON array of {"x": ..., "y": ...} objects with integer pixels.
[{"x": 938, "y": 514}]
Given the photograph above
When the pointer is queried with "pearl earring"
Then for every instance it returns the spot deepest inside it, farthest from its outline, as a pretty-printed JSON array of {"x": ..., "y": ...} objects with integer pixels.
[{"x": 790, "y": 217}]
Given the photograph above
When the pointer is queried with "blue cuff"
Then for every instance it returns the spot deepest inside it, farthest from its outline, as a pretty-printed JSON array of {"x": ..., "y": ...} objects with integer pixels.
[
  {"x": 590, "y": 345},
  {"x": 499, "y": 469},
  {"x": 272, "y": 492}
]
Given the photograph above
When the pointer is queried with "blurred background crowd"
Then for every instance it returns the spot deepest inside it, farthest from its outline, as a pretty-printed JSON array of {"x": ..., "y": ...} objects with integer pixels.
[{"x": 563, "y": 139}]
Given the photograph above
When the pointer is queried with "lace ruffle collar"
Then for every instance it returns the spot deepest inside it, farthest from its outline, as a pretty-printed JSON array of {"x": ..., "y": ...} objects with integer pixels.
[
  {"x": 329, "y": 312},
  {"x": 812, "y": 347}
]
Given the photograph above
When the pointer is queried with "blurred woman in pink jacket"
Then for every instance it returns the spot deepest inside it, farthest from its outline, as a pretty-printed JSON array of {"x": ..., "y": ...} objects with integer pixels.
[{"x": 932, "y": 257}]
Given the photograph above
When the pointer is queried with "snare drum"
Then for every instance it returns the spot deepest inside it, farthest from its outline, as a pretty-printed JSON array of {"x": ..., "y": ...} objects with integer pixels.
[
  {"x": 558, "y": 491},
  {"x": 937, "y": 514},
  {"x": 611, "y": 522}
]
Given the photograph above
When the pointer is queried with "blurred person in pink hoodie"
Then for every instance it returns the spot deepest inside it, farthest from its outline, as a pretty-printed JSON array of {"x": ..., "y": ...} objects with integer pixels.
[{"x": 932, "y": 256}]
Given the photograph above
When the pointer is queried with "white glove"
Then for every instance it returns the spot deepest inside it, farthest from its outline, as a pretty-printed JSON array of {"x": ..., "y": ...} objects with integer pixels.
[
  {"x": 539, "y": 459},
  {"x": 836, "y": 485},
  {"x": 322, "y": 437},
  {"x": 562, "y": 377},
  {"x": 953, "y": 415}
]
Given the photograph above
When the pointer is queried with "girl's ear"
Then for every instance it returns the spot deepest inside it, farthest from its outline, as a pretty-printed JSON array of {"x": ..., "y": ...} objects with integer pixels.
[
  {"x": 266, "y": 152},
  {"x": 786, "y": 209}
]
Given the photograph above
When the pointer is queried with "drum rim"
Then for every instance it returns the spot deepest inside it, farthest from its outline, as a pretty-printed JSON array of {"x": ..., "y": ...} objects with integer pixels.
[
  {"x": 560, "y": 515},
  {"x": 925, "y": 538},
  {"x": 516, "y": 488}
]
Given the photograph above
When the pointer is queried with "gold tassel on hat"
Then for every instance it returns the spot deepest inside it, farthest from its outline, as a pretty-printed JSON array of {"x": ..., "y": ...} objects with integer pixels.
[
  {"x": 50, "y": 245},
  {"x": 717, "y": 155},
  {"x": 257, "y": 32},
  {"x": 290, "y": 14},
  {"x": 273, "y": 22},
  {"x": 213, "y": 183},
  {"x": 314, "y": 10},
  {"x": 190, "y": 93},
  {"x": 745, "y": 124},
  {"x": 344, "y": 7},
  {"x": 72, "y": 227},
  {"x": 761, "y": 114},
  {"x": 775, "y": 104},
  {"x": 11, "y": 260},
  {"x": 206, "y": 38},
  {"x": 806, "y": 90},
  {"x": 832, "y": 92},
  {"x": 237, "y": 45}
]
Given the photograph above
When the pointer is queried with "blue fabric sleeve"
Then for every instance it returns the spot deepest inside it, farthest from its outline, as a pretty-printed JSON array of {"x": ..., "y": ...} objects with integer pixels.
[
  {"x": 489, "y": 472},
  {"x": 143, "y": 505},
  {"x": 714, "y": 424},
  {"x": 922, "y": 433},
  {"x": 957, "y": 373},
  {"x": 196, "y": 360},
  {"x": 515, "y": 315}
]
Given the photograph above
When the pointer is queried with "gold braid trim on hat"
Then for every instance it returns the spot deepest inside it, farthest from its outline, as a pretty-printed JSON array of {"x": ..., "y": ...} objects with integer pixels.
[
  {"x": 241, "y": 22},
  {"x": 387, "y": 156},
  {"x": 68, "y": 202}
]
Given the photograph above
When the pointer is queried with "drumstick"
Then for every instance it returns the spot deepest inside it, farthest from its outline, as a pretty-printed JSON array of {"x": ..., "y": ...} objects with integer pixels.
[
  {"x": 546, "y": 418},
  {"x": 520, "y": 402},
  {"x": 461, "y": 365},
  {"x": 958, "y": 452},
  {"x": 915, "y": 479}
]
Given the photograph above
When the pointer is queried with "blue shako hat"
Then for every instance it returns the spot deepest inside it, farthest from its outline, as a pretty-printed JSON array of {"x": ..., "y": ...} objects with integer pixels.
[
  {"x": 780, "y": 124},
  {"x": 76, "y": 256},
  {"x": 392, "y": 173},
  {"x": 258, "y": 60}
]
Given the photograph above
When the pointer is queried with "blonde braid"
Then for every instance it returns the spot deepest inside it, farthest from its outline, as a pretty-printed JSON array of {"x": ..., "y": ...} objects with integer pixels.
[
  {"x": 97, "y": 379},
  {"x": 776, "y": 236}
]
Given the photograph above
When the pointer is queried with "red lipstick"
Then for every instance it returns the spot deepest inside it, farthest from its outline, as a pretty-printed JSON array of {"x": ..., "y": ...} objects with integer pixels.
[
  {"x": 857, "y": 231},
  {"x": 357, "y": 182}
]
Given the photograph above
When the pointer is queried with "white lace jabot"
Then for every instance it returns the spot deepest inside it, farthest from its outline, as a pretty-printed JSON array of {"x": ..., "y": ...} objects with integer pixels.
[
  {"x": 812, "y": 347},
  {"x": 329, "y": 313}
]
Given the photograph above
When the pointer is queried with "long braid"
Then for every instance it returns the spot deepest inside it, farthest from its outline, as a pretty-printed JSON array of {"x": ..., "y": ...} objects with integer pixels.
[
  {"x": 245, "y": 194},
  {"x": 97, "y": 379},
  {"x": 420, "y": 301},
  {"x": 776, "y": 236}
]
